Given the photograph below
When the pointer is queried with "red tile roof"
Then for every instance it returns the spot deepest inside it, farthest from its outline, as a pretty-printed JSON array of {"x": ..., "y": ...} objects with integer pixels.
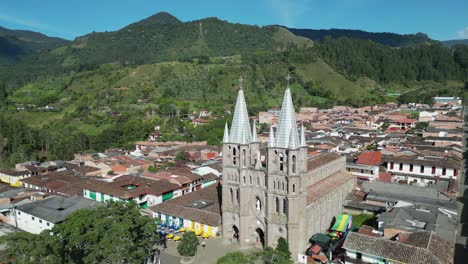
[
  {"x": 370, "y": 158},
  {"x": 385, "y": 176},
  {"x": 367, "y": 230}
]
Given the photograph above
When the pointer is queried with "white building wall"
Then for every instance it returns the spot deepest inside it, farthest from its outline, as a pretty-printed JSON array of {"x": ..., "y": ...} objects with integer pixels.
[
  {"x": 417, "y": 170},
  {"x": 31, "y": 224}
]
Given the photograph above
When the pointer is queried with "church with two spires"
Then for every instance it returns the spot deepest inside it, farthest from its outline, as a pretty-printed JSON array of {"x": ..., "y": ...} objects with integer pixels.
[{"x": 288, "y": 194}]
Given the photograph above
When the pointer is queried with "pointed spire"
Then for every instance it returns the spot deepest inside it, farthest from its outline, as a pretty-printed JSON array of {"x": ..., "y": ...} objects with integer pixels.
[
  {"x": 226, "y": 134},
  {"x": 287, "y": 122},
  {"x": 240, "y": 122},
  {"x": 271, "y": 138},
  {"x": 254, "y": 133},
  {"x": 293, "y": 139},
  {"x": 243, "y": 136},
  {"x": 303, "y": 140}
]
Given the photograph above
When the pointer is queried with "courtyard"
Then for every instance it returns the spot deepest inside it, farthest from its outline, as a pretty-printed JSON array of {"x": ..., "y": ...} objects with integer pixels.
[{"x": 214, "y": 249}]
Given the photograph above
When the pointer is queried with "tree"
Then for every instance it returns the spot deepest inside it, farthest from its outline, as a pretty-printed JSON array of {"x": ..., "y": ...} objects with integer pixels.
[
  {"x": 181, "y": 155},
  {"x": 237, "y": 257},
  {"x": 385, "y": 126},
  {"x": 188, "y": 245},
  {"x": 114, "y": 233},
  {"x": 273, "y": 256},
  {"x": 283, "y": 247},
  {"x": 422, "y": 125}
]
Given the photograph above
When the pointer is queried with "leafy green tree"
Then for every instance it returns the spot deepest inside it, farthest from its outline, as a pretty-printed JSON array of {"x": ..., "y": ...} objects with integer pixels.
[
  {"x": 422, "y": 125},
  {"x": 114, "y": 233},
  {"x": 188, "y": 245},
  {"x": 385, "y": 126},
  {"x": 283, "y": 247},
  {"x": 273, "y": 256},
  {"x": 181, "y": 155},
  {"x": 238, "y": 257},
  {"x": 25, "y": 247}
]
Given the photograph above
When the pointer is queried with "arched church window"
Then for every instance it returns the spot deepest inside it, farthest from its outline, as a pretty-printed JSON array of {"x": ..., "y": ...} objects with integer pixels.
[
  {"x": 294, "y": 188},
  {"x": 244, "y": 179},
  {"x": 234, "y": 156},
  {"x": 250, "y": 179},
  {"x": 277, "y": 205},
  {"x": 238, "y": 196},
  {"x": 244, "y": 158},
  {"x": 294, "y": 164},
  {"x": 258, "y": 204},
  {"x": 274, "y": 185},
  {"x": 285, "y": 206},
  {"x": 232, "y": 195},
  {"x": 281, "y": 162}
]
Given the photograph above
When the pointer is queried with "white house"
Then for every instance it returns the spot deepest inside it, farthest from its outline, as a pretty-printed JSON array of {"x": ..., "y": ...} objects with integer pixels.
[
  {"x": 363, "y": 172},
  {"x": 422, "y": 169},
  {"x": 40, "y": 215}
]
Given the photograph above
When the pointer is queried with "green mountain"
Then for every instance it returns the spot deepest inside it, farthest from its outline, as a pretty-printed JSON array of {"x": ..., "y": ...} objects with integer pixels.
[
  {"x": 160, "y": 37},
  {"x": 163, "y": 37},
  {"x": 15, "y": 45},
  {"x": 453, "y": 42},
  {"x": 384, "y": 38},
  {"x": 108, "y": 89}
]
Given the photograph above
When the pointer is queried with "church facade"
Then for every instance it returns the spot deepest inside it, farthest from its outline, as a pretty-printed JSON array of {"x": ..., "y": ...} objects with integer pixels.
[{"x": 292, "y": 196}]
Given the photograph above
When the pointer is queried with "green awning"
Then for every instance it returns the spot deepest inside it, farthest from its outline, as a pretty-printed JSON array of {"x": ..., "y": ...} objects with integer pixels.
[{"x": 319, "y": 238}]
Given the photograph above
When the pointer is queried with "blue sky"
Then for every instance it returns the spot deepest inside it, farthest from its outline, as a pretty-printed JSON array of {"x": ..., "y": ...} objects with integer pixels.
[{"x": 440, "y": 19}]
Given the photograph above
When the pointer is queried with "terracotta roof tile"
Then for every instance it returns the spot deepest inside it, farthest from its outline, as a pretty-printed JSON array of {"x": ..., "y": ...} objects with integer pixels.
[
  {"x": 210, "y": 214},
  {"x": 321, "y": 160},
  {"x": 321, "y": 188},
  {"x": 370, "y": 158}
]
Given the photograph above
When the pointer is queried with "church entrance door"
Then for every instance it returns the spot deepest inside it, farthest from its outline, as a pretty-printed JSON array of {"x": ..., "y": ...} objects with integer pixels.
[
  {"x": 260, "y": 238},
  {"x": 235, "y": 234}
]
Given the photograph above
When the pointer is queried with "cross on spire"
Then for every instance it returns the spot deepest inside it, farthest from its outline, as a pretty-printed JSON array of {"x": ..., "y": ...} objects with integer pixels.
[
  {"x": 288, "y": 78},
  {"x": 241, "y": 81}
]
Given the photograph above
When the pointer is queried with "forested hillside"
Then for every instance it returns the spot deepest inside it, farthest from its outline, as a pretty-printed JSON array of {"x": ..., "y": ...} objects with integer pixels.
[
  {"x": 109, "y": 89},
  {"x": 366, "y": 58},
  {"x": 15, "y": 45},
  {"x": 161, "y": 37},
  {"x": 384, "y": 38}
]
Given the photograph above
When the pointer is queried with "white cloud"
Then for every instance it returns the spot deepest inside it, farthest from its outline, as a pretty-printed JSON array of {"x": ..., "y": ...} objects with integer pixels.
[
  {"x": 21, "y": 22},
  {"x": 34, "y": 25},
  {"x": 463, "y": 33},
  {"x": 289, "y": 10}
]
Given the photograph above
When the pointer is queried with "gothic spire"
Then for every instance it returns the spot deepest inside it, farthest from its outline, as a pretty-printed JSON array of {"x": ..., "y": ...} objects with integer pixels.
[
  {"x": 303, "y": 141},
  {"x": 271, "y": 138},
  {"x": 287, "y": 122},
  {"x": 293, "y": 139},
  {"x": 226, "y": 134},
  {"x": 254, "y": 133},
  {"x": 240, "y": 122}
]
